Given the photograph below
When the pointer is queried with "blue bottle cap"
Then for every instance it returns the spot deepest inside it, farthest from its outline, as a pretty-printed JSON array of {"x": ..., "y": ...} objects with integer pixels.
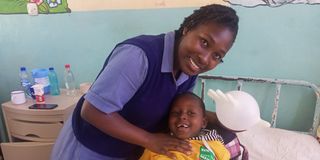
[
  {"x": 51, "y": 68},
  {"x": 22, "y": 68}
]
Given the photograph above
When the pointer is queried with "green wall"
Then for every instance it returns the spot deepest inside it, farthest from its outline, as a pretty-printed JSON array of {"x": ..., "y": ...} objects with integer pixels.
[{"x": 278, "y": 42}]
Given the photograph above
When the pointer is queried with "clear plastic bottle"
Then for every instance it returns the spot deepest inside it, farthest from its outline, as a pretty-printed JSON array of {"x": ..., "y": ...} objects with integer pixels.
[
  {"x": 54, "y": 83},
  {"x": 25, "y": 80},
  {"x": 69, "y": 81}
]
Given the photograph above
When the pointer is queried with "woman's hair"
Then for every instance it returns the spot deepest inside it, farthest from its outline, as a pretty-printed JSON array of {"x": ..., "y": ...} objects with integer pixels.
[
  {"x": 191, "y": 95},
  {"x": 216, "y": 13}
]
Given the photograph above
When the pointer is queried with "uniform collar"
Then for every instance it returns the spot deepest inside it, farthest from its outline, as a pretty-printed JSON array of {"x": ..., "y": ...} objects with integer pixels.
[{"x": 168, "y": 57}]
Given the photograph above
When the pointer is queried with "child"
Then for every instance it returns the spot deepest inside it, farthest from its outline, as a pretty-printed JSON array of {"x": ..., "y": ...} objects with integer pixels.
[{"x": 187, "y": 120}]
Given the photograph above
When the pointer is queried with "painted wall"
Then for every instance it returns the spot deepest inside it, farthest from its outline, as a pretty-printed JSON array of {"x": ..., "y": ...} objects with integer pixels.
[
  {"x": 272, "y": 42},
  {"x": 89, "y": 5}
]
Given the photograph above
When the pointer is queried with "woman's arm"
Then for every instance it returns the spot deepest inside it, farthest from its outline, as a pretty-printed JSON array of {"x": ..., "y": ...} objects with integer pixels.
[
  {"x": 116, "y": 126},
  {"x": 114, "y": 87}
]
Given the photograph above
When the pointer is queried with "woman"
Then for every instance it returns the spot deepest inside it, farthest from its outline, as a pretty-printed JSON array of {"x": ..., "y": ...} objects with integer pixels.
[{"x": 127, "y": 105}]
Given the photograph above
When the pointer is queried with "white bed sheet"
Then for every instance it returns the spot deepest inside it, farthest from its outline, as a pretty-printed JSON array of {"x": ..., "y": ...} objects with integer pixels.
[{"x": 265, "y": 143}]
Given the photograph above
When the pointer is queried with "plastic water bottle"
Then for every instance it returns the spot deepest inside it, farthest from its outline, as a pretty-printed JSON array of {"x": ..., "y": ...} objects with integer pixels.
[
  {"x": 25, "y": 80},
  {"x": 69, "y": 81},
  {"x": 54, "y": 83}
]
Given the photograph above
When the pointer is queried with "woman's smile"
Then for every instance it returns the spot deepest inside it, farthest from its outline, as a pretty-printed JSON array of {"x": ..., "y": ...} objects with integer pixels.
[{"x": 193, "y": 65}]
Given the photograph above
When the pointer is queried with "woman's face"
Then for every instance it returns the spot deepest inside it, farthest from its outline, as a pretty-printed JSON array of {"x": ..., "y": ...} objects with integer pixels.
[
  {"x": 186, "y": 118},
  {"x": 202, "y": 48}
]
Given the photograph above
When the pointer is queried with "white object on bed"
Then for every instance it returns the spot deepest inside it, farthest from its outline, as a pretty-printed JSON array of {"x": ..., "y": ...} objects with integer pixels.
[
  {"x": 265, "y": 143},
  {"x": 236, "y": 110}
]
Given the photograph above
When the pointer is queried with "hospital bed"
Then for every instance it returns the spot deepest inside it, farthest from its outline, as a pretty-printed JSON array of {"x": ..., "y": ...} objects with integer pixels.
[{"x": 268, "y": 140}]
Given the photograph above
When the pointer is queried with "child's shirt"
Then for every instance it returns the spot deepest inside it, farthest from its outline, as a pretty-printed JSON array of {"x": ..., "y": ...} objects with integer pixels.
[{"x": 200, "y": 152}]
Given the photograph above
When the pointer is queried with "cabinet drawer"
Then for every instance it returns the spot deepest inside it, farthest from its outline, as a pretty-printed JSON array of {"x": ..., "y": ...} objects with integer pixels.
[
  {"x": 34, "y": 131},
  {"x": 27, "y": 150}
]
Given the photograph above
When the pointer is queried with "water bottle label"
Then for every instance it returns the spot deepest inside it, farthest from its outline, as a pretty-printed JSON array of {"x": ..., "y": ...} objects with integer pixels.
[
  {"x": 25, "y": 82},
  {"x": 67, "y": 86}
]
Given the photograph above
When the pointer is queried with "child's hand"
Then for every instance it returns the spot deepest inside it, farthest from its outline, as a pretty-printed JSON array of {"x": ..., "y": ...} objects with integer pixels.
[{"x": 163, "y": 144}]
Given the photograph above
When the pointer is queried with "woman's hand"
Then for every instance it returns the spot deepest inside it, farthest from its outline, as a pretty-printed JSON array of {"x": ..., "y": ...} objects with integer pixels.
[{"x": 164, "y": 143}]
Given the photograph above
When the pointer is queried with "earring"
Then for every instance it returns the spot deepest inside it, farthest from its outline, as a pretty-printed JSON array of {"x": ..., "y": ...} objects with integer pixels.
[{"x": 184, "y": 31}]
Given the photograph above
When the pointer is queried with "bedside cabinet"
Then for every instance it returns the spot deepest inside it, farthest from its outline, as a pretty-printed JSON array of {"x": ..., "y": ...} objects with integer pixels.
[{"x": 36, "y": 125}]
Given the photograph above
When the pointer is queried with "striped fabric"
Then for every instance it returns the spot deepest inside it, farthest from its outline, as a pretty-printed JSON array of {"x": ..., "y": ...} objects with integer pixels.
[
  {"x": 234, "y": 148},
  {"x": 208, "y": 135}
]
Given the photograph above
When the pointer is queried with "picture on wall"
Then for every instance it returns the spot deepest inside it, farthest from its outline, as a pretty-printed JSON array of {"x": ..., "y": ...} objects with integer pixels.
[
  {"x": 270, "y": 3},
  {"x": 33, "y": 7}
]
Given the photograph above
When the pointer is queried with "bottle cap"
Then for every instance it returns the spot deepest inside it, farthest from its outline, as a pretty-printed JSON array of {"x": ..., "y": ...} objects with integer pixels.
[
  {"x": 22, "y": 68},
  {"x": 51, "y": 68},
  {"x": 67, "y": 65}
]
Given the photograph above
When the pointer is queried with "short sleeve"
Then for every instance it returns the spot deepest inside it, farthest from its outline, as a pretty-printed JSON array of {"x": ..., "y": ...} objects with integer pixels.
[{"x": 120, "y": 79}]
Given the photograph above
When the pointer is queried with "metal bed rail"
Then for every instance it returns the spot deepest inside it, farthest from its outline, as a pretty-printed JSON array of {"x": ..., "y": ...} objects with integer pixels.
[{"x": 278, "y": 83}]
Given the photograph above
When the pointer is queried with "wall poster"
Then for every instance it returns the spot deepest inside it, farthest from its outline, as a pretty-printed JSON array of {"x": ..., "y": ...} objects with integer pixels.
[{"x": 33, "y": 7}]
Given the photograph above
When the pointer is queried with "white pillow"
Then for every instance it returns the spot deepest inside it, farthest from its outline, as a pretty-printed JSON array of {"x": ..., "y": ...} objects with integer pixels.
[
  {"x": 262, "y": 123},
  {"x": 265, "y": 143}
]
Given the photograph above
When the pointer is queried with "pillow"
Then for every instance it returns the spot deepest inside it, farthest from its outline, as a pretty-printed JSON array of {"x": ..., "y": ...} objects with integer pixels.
[
  {"x": 262, "y": 123},
  {"x": 265, "y": 143}
]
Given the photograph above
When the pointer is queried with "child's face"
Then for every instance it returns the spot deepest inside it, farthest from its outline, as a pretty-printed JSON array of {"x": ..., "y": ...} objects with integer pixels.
[{"x": 186, "y": 117}]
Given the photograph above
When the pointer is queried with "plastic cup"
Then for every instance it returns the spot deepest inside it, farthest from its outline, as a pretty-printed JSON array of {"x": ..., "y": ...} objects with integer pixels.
[{"x": 18, "y": 97}]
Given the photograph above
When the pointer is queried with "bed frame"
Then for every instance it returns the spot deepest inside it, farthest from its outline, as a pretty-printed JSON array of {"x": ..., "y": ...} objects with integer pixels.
[{"x": 278, "y": 83}]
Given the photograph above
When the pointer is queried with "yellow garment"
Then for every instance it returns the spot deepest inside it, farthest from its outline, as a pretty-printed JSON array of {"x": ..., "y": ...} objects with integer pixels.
[{"x": 199, "y": 152}]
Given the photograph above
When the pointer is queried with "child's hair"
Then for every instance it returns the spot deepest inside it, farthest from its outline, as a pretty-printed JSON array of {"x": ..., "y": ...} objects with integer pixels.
[
  {"x": 216, "y": 13},
  {"x": 191, "y": 95}
]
